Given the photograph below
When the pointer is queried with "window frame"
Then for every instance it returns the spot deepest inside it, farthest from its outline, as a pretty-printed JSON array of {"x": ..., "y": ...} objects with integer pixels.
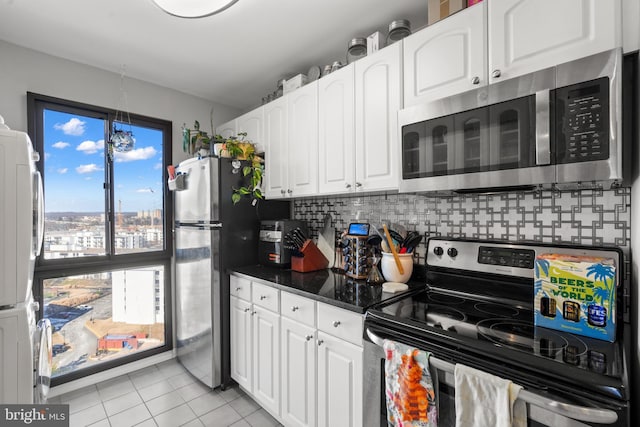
[{"x": 110, "y": 261}]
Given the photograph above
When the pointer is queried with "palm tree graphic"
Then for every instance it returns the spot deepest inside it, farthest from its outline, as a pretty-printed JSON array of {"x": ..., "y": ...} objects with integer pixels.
[{"x": 602, "y": 273}]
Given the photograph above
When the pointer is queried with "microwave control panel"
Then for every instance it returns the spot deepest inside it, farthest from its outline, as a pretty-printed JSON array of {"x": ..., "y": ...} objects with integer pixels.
[{"x": 582, "y": 117}]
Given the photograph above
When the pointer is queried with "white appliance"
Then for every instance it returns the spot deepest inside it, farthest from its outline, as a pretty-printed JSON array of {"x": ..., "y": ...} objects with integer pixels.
[{"x": 25, "y": 348}]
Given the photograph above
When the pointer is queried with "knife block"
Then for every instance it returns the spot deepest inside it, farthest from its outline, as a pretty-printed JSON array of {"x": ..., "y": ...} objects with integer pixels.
[{"x": 313, "y": 260}]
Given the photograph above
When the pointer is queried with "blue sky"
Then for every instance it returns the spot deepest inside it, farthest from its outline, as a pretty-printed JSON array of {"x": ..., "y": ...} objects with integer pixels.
[{"x": 75, "y": 168}]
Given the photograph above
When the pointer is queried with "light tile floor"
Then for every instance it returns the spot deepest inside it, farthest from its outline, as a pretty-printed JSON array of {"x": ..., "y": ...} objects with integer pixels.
[{"x": 163, "y": 395}]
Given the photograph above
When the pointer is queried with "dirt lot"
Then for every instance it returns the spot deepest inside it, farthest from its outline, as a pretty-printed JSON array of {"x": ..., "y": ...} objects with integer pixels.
[{"x": 102, "y": 327}]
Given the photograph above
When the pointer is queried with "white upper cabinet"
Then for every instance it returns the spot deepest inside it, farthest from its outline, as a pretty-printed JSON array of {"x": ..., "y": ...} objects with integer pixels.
[
  {"x": 446, "y": 58},
  {"x": 227, "y": 129},
  {"x": 378, "y": 89},
  {"x": 529, "y": 35},
  {"x": 336, "y": 161},
  {"x": 252, "y": 124},
  {"x": 276, "y": 154},
  {"x": 496, "y": 40},
  {"x": 302, "y": 123}
]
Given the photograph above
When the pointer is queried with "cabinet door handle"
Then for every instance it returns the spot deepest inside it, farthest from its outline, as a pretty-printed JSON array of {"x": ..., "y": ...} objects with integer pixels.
[
  {"x": 496, "y": 73},
  {"x": 358, "y": 184},
  {"x": 475, "y": 80},
  {"x": 336, "y": 323},
  {"x": 308, "y": 337},
  {"x": 282, "y": 191},
  {"x": 347, "y": 185},
  {"x": 295, "y": 308},
  {"x": 263, "y": 297},
  {"x": 238, "y": 289},
  {"x": 246, "y": 309},
  {"x": 253, "y": 312},
  {"x": 320, "y": 342},
  {"x": 289, "y": 191}
]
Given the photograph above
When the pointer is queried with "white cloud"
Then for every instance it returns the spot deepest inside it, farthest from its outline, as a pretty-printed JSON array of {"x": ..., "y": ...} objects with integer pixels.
[
  {"x": 90, "y": 168},
  {"x": 73, "y": 127},
  {"x": 137, "y": 154},
  {"x": 90, "y": 147},
  {"x": 157, "y": 166},
  {"x": 62, "y": 170},
  {"x": 47, "y": 156},
  {"x": 60, "y": 145},
  {"x": 144, "y": 190}
]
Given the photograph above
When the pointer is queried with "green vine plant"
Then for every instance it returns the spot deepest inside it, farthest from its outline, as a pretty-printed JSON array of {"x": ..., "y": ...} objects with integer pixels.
[{"x": 237, "y": 148}]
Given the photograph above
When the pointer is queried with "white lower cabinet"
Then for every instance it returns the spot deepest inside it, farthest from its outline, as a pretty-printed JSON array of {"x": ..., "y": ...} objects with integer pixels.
[
  {"x": 298, "y": 374},
  {"x": 266, "y": 359},
  {"x": 339, "y": 382},
  {"x": 255, "y": 341},
  {"x": 241, "y": 342},
  {"x": 299, "y": 359}
]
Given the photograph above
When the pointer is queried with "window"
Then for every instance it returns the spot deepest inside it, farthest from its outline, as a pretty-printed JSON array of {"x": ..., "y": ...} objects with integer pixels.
[{"x": 103, "y": 274}]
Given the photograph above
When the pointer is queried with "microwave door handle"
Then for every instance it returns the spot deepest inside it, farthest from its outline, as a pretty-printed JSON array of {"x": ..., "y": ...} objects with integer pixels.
[
  {"x": 543, "y": 141},
  {"x": 580, "y": 413}
]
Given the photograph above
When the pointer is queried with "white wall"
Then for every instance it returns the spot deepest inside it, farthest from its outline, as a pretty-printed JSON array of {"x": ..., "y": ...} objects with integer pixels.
[{"x": 24, "y": 70}]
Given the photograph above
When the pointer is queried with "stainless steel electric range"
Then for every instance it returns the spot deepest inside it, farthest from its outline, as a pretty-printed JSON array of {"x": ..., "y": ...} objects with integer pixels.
[{"x": 477, "y": 309}]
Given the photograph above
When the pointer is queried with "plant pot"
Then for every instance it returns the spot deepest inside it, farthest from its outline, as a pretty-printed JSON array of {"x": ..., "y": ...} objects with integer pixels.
[{"x": 218, "y": 150}]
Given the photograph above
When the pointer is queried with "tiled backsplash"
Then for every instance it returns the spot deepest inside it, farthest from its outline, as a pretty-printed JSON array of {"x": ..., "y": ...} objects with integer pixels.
[{"x": 585, "y": 217}]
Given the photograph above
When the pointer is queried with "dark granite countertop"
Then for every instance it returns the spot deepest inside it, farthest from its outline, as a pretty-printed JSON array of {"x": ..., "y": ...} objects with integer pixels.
[{"x": 325, "y": 286}]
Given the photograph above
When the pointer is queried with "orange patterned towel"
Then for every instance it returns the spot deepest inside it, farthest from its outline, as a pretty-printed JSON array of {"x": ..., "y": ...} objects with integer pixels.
[{"x": 409, "y": 389}]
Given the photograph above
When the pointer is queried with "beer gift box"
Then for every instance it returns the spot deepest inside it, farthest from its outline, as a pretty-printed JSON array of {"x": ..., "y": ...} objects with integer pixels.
[{"x": 576, "y": 294}]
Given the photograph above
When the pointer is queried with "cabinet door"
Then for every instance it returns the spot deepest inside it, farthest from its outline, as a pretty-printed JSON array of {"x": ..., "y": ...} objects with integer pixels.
[
  {"x": 276, "y": 155},
  {"x": 339, "y": 382},
  {"x": 529, "y": 35},
  {"x": 378, "y": 99},
  {"x": 298, "y": 378},
  {"x": 266, "y": 358},
  {"x": 302, "y": 110},
  {"x": 336, "y": 99},
  {"x": 446, "y": 58},
  {"x": 227, "y": 129},
  {"x": 251, "y": 123},
  {"x": 241, "y": 342}
]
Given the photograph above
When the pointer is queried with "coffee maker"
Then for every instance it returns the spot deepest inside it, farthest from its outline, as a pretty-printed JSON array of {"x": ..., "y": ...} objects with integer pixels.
[{"x": 271, "y": 250}]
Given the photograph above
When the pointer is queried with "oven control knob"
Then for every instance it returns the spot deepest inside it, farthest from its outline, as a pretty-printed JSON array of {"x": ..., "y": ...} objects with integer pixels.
[
  {"x": 438, "y": 250},
  {"x": 452, "y": 252}
]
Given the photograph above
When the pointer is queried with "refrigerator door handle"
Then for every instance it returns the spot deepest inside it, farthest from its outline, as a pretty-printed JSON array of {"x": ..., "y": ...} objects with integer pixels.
[{"x": 202, "y": 225}]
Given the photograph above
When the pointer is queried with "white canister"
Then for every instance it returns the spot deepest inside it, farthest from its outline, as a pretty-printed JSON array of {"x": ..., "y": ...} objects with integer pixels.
[{"x": 390, "y": 269}]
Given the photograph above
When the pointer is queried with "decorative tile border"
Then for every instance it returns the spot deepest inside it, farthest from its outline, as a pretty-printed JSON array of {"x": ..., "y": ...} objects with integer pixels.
[{"x": 593, "y": 217}]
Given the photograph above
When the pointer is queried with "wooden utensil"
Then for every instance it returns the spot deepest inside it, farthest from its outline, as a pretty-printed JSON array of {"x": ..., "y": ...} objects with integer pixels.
[{"x": 393, "y": 249}]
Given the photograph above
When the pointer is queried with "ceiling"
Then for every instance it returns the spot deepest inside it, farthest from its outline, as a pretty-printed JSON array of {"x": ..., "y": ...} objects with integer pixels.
[{"x": 233, "y": 58}]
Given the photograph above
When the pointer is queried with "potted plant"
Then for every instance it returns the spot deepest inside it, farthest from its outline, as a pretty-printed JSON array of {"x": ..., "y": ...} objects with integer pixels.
[{"x": 237, "y": 148}]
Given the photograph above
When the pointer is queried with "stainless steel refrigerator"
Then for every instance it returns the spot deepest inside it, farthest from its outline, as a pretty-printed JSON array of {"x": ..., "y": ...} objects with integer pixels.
[{"x": 211, "y": 236}]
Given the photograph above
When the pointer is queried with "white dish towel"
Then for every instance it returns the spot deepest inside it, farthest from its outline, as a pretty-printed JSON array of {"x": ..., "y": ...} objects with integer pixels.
[{"x": 485, "y": 400}]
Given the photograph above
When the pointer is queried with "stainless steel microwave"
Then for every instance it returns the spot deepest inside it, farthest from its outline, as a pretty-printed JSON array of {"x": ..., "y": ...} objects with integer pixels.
[{"x": 557, "y": 125}]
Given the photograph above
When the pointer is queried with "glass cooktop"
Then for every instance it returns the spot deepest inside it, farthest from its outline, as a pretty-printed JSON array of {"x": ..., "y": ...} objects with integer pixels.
[{"x": 499, "y": 327}]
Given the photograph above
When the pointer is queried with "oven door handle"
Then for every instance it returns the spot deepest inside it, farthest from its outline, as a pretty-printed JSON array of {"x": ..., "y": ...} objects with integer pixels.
[{"x": 580, "y": 413}]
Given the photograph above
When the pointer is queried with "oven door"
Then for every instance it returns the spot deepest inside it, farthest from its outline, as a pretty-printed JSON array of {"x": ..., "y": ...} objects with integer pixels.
[{"x": 542, "y": 409}]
